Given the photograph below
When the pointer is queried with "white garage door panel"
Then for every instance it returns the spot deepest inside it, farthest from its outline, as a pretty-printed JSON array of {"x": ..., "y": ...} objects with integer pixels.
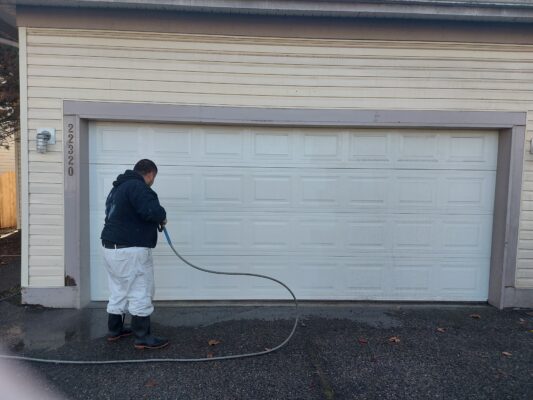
[
  {"x": 398, "y": 235},
  {"x": 318, "y": 277},
  {"x": 291, "y": 147},
  {"x": 336, "y": 214},
  {"x": 340, "y": 190}
]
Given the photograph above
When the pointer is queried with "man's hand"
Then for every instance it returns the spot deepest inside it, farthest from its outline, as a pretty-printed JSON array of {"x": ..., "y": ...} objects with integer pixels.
[{"x": 162, "y": 225}]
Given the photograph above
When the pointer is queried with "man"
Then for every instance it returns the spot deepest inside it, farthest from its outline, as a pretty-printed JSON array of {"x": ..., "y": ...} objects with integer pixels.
[{"x": 133, "y": 215}]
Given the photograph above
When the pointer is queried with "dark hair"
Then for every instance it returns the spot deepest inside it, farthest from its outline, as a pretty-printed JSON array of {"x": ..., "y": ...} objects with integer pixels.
[{"x": 145, "y": 166}]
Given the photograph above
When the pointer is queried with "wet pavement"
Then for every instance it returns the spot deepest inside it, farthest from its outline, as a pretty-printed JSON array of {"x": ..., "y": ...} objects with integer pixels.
[{"x": 356, "y": 351}]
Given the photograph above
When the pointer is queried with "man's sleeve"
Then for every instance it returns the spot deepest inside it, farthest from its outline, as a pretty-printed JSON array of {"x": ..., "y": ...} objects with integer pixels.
[{"x": 145, "y": 202}]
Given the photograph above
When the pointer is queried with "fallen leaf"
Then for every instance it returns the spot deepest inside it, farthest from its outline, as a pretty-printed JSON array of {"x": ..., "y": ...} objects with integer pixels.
[
  {"x": 475, "y": 316},
  {"x": 501, "y": 374},
  {"x": 506, "y": 354},
  {"x": 363, "y": 341},
  {"x": 213, "y": 342},
  {"x": 530, "y": 331},
  {"x": 267, "y": 349},
  {"x": 210, "y": 355},
  {"x": 394, "y": 339},
  {"x": 441, "y": 330},
  {"x": 150, "y": 383},
  {"x": 521, "y": 321}
]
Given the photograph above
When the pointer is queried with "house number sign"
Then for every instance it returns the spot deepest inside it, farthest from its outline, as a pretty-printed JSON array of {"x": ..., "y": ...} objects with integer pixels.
[
  {"x": 71, "y": 155},
  {"x": 70, "y": 149}
]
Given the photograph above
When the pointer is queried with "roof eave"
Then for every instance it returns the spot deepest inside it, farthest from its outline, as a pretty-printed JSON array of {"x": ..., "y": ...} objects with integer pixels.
[{"x": 462, "y": 10}]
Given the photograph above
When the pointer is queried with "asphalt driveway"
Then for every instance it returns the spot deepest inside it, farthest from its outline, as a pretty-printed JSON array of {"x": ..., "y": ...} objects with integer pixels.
[
  {"x": 347, "y": 351},
  {"x": 362, "y": 351}
]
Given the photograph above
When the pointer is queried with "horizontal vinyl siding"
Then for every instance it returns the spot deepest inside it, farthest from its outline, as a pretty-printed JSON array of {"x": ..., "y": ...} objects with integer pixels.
[
  {"x": 260, "y": 72},
  {"x": 524, "y": 270}
]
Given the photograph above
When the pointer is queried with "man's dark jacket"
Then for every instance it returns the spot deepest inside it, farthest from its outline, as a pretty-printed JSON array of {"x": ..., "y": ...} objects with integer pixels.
[{"x": 133, "y": 212}]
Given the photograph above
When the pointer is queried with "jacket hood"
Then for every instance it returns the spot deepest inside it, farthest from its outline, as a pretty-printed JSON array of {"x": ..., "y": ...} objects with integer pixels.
[{"x": 126, "y": 176}]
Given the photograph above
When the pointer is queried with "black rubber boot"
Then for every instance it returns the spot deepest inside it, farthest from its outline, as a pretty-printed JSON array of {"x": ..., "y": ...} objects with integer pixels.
[
  {"x": 143, "y": 338},
  {"x": 115, "y": 325}
]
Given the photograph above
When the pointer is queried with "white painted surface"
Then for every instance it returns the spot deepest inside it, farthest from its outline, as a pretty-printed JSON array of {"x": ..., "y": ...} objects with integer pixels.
[
  {"x": 24, "y": 161},
  {"x": 336, "y": 214}
]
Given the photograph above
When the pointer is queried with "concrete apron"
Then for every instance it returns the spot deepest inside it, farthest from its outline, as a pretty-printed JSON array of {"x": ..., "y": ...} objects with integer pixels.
[{"x": 27, "y": 328}]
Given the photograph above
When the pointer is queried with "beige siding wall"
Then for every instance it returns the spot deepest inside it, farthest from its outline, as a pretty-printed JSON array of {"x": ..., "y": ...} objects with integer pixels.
[
  {"x": 524, "y": 273},
  {"x": 7, "y": 158},
  {"x": 261, "y": 72}
]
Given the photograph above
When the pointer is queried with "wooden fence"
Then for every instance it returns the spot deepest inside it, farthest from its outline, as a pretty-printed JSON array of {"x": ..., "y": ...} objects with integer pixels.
[{"x": 8, "y": 200}]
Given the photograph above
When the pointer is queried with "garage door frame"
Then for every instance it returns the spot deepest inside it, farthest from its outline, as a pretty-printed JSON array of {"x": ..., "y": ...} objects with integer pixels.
[{"x": 77, "y": 114}]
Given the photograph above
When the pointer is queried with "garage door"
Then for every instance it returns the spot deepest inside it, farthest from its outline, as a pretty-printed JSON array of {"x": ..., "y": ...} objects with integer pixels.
[{"x": 337, "y": 214}]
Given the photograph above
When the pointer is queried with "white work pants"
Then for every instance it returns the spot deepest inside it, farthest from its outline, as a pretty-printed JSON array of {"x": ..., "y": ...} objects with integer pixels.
[{"x": 130, "y": 273}]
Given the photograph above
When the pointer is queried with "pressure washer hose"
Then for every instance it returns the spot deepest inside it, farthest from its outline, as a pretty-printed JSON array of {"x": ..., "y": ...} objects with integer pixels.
[{"x": 174, "y": 360}]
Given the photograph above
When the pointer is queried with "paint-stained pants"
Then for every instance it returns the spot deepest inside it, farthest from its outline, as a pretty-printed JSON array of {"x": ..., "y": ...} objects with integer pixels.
[{"x": 130, "y": 273}]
